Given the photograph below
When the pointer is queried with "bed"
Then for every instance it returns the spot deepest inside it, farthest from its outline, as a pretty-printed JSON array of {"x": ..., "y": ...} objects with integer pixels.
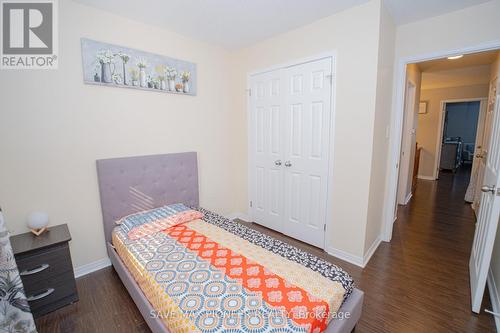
[{"x": 132, "y": 185}]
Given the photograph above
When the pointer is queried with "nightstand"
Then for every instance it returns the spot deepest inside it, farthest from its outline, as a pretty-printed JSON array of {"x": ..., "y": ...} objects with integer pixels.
[{"x": 44, "y": 263}]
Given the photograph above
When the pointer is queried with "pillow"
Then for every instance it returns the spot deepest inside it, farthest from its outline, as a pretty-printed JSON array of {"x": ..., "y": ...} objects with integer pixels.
[
  {"x": 129, "y": 222},
  {"x": 162, "y": 224},
  {"x": 149, "y": 222}
]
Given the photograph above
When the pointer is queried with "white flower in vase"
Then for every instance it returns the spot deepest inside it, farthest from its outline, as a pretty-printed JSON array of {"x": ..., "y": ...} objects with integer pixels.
[
  {"x": 171, "y": 74},
  {"x": 142, "y": 64},
  {"x": 117, "y": 78},
  {"x": 185, "y": 77},
  {"x": 105, "y": 59},
  {"x": 134, "y": 75},
  {"x": 125, "y": 58}
]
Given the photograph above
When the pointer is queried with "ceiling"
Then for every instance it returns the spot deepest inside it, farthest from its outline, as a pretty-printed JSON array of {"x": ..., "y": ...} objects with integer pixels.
[
  {"x": 468, "y": 60},
  {"x": 239, "y": 23},
  {"x": 459, "y": 77},
  {"x": 406, "y": 11},
  {"x": 471, "y": 69}
]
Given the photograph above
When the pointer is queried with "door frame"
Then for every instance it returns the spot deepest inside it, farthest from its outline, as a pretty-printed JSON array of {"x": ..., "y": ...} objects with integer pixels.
[
  {"x": 389, "y": 216},
  {"x": 331, "y": 144},
  {"x": 482, "y": 103}
]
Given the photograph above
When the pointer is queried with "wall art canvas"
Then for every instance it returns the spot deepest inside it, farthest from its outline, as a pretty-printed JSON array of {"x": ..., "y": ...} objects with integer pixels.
[{"x": 116, "y": 66}]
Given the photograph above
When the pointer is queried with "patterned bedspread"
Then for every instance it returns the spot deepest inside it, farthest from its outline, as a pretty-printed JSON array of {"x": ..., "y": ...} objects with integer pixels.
[{"x": 215, "y": 275}]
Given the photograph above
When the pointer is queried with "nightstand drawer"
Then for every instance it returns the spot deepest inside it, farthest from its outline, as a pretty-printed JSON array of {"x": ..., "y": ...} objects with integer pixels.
[
  {"x": 52, "y": 293},
  {"x": 37, "y": 266}
]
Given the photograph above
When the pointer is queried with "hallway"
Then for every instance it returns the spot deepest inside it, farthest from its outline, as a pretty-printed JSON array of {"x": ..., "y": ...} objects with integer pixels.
[{"x": 422, "y": 275}]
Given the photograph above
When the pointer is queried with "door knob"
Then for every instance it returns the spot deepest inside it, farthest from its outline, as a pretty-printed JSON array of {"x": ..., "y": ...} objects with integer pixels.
[
  {"x": 487, "y": 189},
  {"x": 277, "y": 162},
  {"x": 288, "y": 164}
]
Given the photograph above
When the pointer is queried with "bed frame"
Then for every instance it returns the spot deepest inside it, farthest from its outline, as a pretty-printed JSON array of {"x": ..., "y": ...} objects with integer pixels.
[{"x": 131, "y": 184}]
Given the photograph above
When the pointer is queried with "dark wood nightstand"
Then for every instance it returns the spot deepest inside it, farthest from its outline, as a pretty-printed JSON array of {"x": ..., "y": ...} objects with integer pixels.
[{"x": 46, "y": 270}]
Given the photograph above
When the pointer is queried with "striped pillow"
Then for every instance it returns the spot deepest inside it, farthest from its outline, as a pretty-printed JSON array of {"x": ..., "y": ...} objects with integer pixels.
[{"x": 162, "y": 224}]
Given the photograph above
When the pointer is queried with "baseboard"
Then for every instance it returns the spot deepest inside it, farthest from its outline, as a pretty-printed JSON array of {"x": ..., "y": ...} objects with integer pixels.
[
  {"x": 371, "y": 251},
  {"x": 426, "y": 177},
  {"x": 494, "y": 297},
  {"x": 92, "y": 267},
  {"x": 238, "y": 215},
  {"x": 408, "y": 198},
  {"x": 356, "y": 260}
]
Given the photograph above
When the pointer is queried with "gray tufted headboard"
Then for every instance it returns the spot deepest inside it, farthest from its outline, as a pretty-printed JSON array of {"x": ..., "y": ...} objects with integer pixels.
[{"x": 131, "y": 184}]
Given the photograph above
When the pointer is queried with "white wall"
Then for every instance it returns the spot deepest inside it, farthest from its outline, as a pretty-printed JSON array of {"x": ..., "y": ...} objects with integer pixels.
[
  {"x": 428, "y": 124},
  {"x": 466, "y": 28},
  {"x": 463, "y": 28},
  {"x": 354, "y": 35},
  {"x": 387, "y": 34},
  {"x": 53, "y": 128}
]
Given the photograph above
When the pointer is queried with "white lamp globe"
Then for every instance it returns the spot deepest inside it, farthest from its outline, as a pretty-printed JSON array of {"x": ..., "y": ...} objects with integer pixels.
[{"x": 38, "y": 220}]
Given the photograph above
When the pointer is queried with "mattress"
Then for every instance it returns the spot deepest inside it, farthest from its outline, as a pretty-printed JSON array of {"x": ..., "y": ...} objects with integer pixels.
[{"x": 216, "y": 275}]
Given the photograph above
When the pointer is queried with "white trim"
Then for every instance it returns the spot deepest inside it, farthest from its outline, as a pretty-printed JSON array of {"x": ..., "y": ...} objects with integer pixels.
[
  {"x": 440, "y": 127},
  {"x": 426, "y": 177},
  {"x": 331, "y": 144},
  {"x": 92, "y": 267},
  {"x": 368, "y": 255},
  {"x": 239, "y": 215},
  {"x": 353, "y": 259},
  {"x": 350, "y": 258},
  {"x": 396, "y": 122},
  {"x": 320, "y": 56},
  {"x": 494, "y": 297},
  {"x": 408, "y": 198}
]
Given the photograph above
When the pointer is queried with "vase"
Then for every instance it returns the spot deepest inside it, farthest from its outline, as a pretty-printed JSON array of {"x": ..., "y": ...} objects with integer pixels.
[
  {"x": 186, "y": 87},
  {"x": 125, "y": 80},
  {"x": 142, "y": 77},
  {"x": 171, "y": 85},
  {"x": 163, "y": 85},
  {"x": 106, "y": 73}
]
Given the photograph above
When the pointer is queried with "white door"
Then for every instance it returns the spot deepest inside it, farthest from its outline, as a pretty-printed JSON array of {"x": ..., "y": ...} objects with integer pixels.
[
  {"x": 408, "y": 145},
  {"x": 289, "y": 139},
  {"x": 481, "y": 153},
  {"x": 266, "y": 148},
  {"x": 489, "y": 213},
  {"x": 307, "y": 136}
]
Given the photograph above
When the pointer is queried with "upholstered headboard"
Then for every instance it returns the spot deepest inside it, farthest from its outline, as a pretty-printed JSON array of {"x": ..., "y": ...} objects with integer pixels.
[{"x": 131, "y": 184}]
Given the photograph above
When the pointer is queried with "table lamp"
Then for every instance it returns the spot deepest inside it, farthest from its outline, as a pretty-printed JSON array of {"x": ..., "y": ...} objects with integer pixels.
[{"x": 37, "y": 222}]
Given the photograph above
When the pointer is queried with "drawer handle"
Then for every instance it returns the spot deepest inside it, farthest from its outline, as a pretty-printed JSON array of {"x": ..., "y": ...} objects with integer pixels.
[
  {"x": 41, "y": 295},
  {"x": 35, "y": 270}
]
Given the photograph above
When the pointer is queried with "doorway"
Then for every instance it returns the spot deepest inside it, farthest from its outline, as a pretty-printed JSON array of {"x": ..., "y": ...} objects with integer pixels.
[{"x": 455, "y": 127}]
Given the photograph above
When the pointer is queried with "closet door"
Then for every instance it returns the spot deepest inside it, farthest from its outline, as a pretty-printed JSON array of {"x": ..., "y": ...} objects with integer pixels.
[
  {"x": 307, "y": 135},
  {"x": 266, "y": 149}
]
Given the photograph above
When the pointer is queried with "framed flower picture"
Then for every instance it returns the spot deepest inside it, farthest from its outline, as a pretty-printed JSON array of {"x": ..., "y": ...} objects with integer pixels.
[{"x": 117, "y": 66}]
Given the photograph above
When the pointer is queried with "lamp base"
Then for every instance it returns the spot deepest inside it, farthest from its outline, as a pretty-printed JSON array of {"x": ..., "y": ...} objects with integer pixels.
[{"x": 38, "y": 232}]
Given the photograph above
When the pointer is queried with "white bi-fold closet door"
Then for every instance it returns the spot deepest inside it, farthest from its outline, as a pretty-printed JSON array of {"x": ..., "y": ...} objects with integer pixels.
[{"x": 289, "y": 143}]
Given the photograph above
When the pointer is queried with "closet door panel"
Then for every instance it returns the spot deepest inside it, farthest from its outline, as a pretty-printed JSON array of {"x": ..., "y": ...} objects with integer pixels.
[
  {"x": 266, "y": 149},
  {"x": 307, "y": 135}
]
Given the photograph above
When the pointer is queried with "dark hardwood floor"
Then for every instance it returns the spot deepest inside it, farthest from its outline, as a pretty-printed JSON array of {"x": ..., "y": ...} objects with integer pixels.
[{"x": 417, "y": 283}]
